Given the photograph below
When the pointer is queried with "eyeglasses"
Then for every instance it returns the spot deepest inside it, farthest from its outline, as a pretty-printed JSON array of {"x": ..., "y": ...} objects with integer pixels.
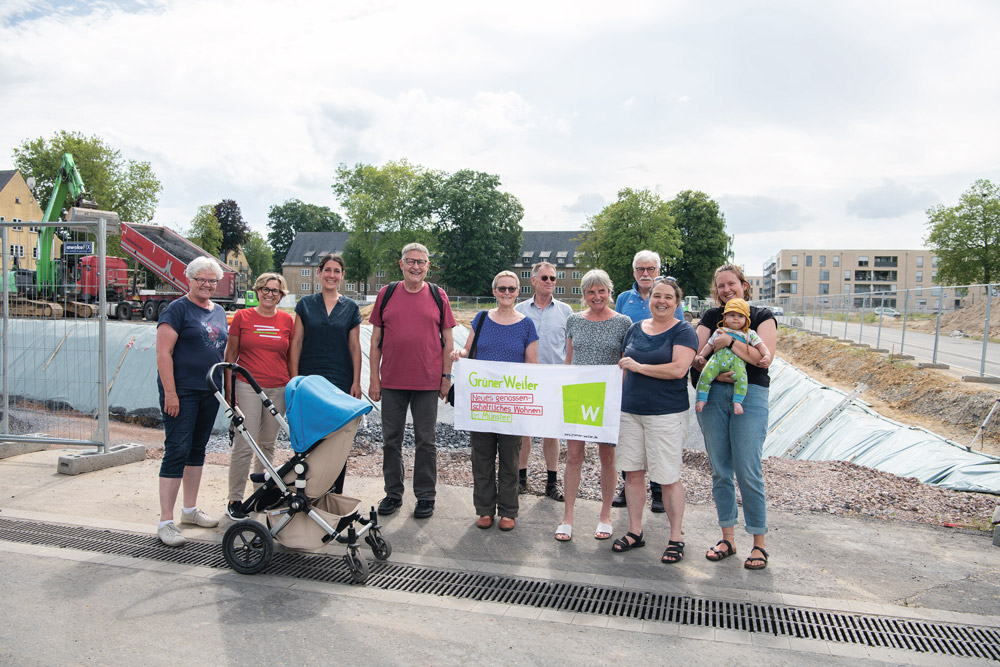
[
  {"x": 547, "y": 278},
  {"x": 268, "y": 290},
  {"x": 409, "y": 261},
  {"x": 206, "y": 281},
  {"x": 646, "y": 269},
  {"x": 506, "y": 288}
]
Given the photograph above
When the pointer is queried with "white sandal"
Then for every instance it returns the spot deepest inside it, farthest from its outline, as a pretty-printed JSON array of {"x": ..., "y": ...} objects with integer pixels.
[
  {"x": 564, "y": 529},
  {"x": 603, "y": 528}
]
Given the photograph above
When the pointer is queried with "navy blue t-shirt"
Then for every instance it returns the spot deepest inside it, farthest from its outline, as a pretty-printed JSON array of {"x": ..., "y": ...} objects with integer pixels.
[
  {"x": 325, "y": 349},
  {"x": 503, "y": 342},
  {"x": 201, "y": 341},
  {"x": 645, "y": 395}
]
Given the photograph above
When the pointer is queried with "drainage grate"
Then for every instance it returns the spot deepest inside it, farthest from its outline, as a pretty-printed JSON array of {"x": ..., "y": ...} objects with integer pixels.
[{"x": 779, "y": 620}]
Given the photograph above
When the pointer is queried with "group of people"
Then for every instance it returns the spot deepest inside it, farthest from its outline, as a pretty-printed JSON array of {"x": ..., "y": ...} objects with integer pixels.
[{"x": 644, "y": 332}]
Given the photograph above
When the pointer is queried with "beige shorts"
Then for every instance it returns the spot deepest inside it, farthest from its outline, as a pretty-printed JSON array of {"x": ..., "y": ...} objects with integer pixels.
[{"x": 654, "y": 443}]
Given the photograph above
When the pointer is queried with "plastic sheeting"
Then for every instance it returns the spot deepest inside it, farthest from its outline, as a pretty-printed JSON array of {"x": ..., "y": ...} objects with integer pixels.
[{"x": 862, "y": 436}]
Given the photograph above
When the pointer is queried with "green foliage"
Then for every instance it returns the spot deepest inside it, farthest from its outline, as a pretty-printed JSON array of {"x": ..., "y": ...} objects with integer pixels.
[
  {"x": 704, "y": 240},
  {"x": 127, "y": 187},
  {"x": 639, "y": 220},
  {"x": 478, "y": 230},
  {"x": 285, "y": 220},
  {"x": 205, "y": 231},
  {"x": 258, "y": 253},
  {"x": 234, "y": 227},
  {"x": 359, "y": 266},
  {"x": 387, "y": 207},
  {"x": 966, "y": 237}
]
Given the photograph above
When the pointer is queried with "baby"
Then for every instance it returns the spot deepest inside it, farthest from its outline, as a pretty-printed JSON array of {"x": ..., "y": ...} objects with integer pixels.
[{"x": 736, "y": 324}]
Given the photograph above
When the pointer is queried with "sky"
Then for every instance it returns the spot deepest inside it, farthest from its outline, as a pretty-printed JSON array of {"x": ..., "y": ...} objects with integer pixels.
[{"x": 821, "y": 124}]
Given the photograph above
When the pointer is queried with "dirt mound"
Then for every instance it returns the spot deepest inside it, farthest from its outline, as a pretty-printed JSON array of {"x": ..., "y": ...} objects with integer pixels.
[
  {"x": 898, "y": 389},
  {"x": 366, "y": 312},
  {"x": 969, "y": 320}
]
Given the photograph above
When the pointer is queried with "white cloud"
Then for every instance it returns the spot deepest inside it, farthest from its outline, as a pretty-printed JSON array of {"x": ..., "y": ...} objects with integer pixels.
[{"x": 890, "y": 200}]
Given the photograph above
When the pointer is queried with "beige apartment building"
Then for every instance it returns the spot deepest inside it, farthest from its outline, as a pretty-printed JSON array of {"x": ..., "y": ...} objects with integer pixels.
[
  {"x": 18, "y": 205},
  {"x": 859, "y": 276}
]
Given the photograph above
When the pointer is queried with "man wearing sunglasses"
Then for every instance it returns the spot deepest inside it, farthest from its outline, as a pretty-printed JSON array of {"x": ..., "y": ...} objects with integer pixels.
[{"x": 549, "y": 316}]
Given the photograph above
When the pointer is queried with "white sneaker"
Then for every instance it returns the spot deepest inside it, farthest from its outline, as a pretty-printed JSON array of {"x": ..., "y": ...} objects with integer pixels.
[
  {"x": 199, "y": 518},
  {"x": 170, "y": 535}
]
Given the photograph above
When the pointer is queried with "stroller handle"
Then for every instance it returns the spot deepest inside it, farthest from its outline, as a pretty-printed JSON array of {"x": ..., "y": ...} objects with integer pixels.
[{"x": 235, "y": 368}]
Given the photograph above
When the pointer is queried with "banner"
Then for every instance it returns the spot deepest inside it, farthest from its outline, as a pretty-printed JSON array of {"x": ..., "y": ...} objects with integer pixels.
[{"x": 540, "y": 400}]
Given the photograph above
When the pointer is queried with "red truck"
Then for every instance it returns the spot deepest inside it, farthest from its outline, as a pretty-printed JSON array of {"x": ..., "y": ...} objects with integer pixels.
[{"x": 164, "y": 252}]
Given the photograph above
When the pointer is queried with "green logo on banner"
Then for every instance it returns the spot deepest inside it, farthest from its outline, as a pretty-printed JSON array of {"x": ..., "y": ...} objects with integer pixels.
[{"x": 584, "y": 403}]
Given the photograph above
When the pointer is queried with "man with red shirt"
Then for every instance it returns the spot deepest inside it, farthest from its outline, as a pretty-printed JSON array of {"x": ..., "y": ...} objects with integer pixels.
[{"x": 410, "y": 362}]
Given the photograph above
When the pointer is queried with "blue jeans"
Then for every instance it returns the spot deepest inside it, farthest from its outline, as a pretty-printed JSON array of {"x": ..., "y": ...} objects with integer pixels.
[
  {"x": 734, "y": 444},
  {"x": 188, "y": 432}
]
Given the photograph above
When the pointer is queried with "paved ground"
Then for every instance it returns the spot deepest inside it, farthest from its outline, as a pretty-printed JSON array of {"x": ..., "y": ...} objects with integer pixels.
[{"x": 106, "y": 608}]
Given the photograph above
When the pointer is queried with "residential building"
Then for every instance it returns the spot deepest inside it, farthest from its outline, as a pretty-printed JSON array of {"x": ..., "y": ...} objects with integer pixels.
[
  {"x": 756, "y": 284},
  {"x": 558, "y": 249},
  {"x": 18, "y": 205},
  {"x": 860, "y": 275}
]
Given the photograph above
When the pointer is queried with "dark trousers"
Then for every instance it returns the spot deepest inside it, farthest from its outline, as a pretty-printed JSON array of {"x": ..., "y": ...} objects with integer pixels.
[
  {"x": 493, "y": 494},
  {"x": 423, "y": 406}
]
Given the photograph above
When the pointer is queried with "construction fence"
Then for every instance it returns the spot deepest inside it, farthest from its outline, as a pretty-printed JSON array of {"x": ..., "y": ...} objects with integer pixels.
[{"x": 953, "y": 326}]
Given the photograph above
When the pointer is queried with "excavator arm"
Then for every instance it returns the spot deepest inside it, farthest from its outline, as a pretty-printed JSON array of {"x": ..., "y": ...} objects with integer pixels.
[{"x": 69, "y": 183}]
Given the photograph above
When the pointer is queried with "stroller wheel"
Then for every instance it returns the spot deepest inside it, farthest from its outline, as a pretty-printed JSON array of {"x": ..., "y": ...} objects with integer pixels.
[
  {"x": 357, "y": 565},
  {"x": 381, "y": 548},
  {"x": 247, "y": 546}
]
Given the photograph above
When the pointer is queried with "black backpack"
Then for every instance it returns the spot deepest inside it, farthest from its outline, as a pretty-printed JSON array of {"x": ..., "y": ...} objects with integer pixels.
[{"x": 391, "y": 287}]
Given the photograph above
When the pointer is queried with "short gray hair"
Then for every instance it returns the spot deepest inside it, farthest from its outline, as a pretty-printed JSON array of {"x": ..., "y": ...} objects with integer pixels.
[
  {"x": 505, "y": 274},
  {"x": 541, "y": 265},
  {"x": 199, "y": 264},
  {"x": 597, "y": 277},
  {"x": 414, "y": 246},
  {"x": 645, "y": 256}
]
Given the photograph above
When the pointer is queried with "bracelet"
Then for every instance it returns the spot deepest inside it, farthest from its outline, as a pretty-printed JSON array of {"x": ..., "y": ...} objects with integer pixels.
[{"x": 731, "y": 343}]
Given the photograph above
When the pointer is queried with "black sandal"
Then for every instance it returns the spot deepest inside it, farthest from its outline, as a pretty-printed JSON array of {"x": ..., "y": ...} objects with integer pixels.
[
  {"x": 721, "y": 555},
  {"x": 621, "y": 545},
  {"x": 674, "y": 553},
  {"x": 763, "y": 561}
]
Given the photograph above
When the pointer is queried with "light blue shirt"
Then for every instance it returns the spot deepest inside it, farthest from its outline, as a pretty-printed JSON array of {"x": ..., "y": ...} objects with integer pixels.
[
  {"x": 550, "y": 324},
  {"x": 632, "y": 304}
]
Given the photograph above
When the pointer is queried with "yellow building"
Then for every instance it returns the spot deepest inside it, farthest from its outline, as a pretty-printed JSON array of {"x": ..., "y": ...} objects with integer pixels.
[{"x": 18, "y": 205}]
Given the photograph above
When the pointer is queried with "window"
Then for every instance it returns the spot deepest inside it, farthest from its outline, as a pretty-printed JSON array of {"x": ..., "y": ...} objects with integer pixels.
[
  {"x": 37, "y": 230},
  {"x": 862, "y": 260},
  {"x": 560, "y": 275},
  {"x": 577, "y": 290},
  {"x": 349, "y": 287},
  {"x": 934, "y": 260},
  {"x": 525, "y": 274},
  {"x": 305, "y": 287},
  {"x": 824, "y": 288},
  {"x": 17, "y": 200},
  {"x": 17, "y": 229},
  {"x": 809, "y": 260},
  {"x": 933, "y": 276},
  {"x": 560, "y": 290},
  {"x": 525, "y": 289},
  {"x": 920, "y": 261},
  {"x": 34, "y": 251},
  {"x": 847, "y": 274},
  {"x": 824, "y": 274},
  {"x": 920, "y": 276},
  {"x": 836, "y": 260},
  {"x": 795, "y": 288},
  {"x": 305, "y": 273},
  {"x": 795, "y": 274},
  {"x": 576, "y": 275},
  {"x": 381, "y": 273},
  {"x": 378, "y": 286},
  {"x": 16, "y": 250},
  {"x": 795, "y": 260},
  {"x": 822, "y": 260}
]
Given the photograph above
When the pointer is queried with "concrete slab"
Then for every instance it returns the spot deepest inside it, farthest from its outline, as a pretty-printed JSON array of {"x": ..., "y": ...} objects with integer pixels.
[
  {"x": 75, "y": 464},
  {"x": 9, "y": 448}
]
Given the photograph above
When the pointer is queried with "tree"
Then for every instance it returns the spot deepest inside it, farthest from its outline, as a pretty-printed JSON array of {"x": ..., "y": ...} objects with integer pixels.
[
  {"x": 205, "y": 231},
  {"x": 704, "y": 241},
  {"x": 284, "y": 221},
  {"x": 639, "y": 220},
  {"x": 258, "y": 253},
  {"x": 966, "y": 237},
  {"x": 387, "y": 207},
  {"x": 127, "y": 187},
  {"x": 234, "y": 227},
  {"x": 359, "y": 266},
  {"x": 478, "y": 230}
]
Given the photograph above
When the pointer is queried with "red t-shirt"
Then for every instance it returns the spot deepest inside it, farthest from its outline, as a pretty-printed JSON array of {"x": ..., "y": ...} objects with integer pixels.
[
  {"x": 264, "y": 345},
  {"x": 411, "y": 338}
]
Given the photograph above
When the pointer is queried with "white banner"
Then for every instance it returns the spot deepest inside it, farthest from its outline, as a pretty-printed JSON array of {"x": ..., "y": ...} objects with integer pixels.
[{"x": 540, "y": 400}]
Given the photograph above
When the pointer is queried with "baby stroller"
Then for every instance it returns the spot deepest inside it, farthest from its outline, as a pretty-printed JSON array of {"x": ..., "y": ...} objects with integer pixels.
[{"x": 300, "y": 511}]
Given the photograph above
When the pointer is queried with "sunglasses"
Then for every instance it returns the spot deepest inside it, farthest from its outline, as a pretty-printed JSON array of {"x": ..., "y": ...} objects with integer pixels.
[
  {"x": 547, "y": 278},
  {"x": 505, "y": 288}
]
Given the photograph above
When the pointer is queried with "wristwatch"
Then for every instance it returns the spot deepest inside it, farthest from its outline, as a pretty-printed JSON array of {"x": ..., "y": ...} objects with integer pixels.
[
  {"x": 731, "y": 343},
  {"x": 446, "y": 375}
]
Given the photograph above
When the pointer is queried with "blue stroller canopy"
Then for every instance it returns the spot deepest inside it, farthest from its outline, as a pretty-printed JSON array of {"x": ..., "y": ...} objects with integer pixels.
[{"x": 314, "y": 409}]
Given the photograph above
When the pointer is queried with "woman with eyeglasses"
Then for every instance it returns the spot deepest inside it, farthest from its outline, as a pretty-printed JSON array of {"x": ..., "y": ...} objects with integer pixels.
[
  {"x": 190, "y": 339},
  {"x": 327, "y": 336},
  {"x": 504, "y": 335},
  {"x": 259, "y": 339}
]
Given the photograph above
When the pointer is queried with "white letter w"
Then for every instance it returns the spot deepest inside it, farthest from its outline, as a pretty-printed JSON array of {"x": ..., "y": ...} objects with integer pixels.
[{"x": 590, "y": 413}]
